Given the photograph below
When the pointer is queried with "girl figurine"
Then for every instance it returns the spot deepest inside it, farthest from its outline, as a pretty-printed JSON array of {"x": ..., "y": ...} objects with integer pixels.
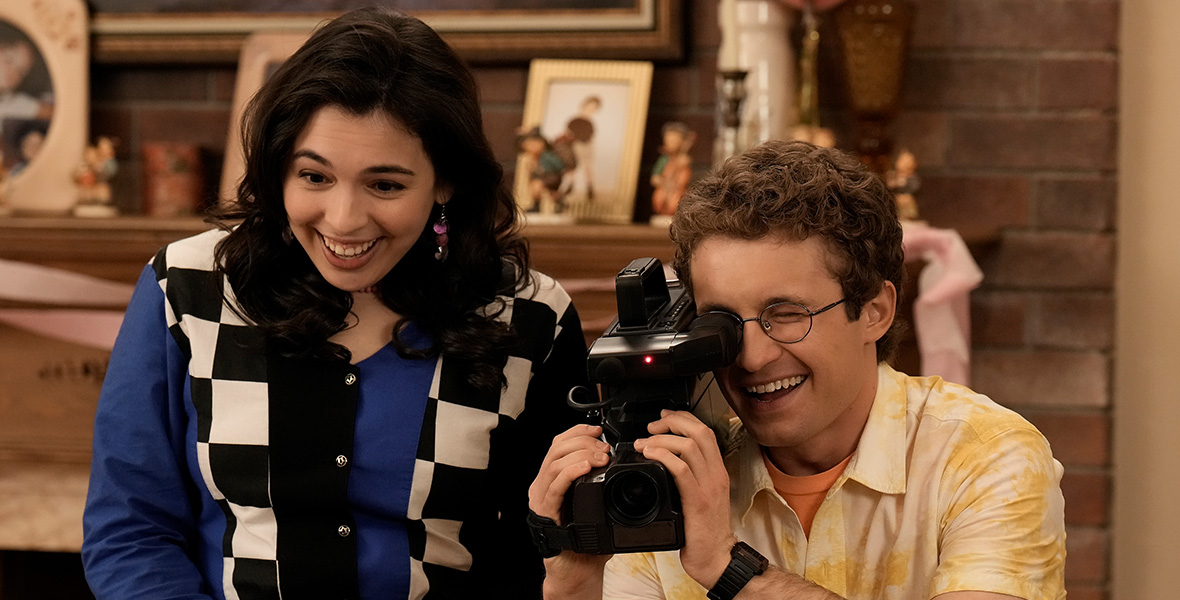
[
  {"x": 673, "y": 170},
  {"x": 903, "y": 180},
  {"x": 93, "y": 178}
]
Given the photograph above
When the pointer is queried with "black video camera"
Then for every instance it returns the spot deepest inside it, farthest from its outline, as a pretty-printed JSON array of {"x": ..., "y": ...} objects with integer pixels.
[{"x": 649, "y": 359}]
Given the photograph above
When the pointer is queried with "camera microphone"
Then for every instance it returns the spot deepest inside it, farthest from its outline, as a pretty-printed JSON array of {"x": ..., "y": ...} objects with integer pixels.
[{"x": 610, "y": 371}]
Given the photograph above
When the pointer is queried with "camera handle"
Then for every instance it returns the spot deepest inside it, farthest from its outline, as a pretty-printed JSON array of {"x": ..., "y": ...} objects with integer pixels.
[
  {"x": 576, "y": 400},
  {"x": 549, "y": 537}
]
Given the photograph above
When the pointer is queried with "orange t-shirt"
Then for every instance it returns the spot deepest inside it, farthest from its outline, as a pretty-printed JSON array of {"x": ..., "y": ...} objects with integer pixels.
[{"x": 804, "y": 494}]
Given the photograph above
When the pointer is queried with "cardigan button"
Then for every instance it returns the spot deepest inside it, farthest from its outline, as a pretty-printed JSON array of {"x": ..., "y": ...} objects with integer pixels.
[
  {"x": 350, "y": 379},
  {"x": 341, "y": 460},
  {"x": 344, "y": 530}
]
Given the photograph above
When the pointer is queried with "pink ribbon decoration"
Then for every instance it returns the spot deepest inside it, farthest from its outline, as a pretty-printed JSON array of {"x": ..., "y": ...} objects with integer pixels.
[
  {"x": 36, "y": 284},
  {"x": 24, "y": 282},
  {"x": 942, "y": 320},
  {"x": 94, "y": 328}
]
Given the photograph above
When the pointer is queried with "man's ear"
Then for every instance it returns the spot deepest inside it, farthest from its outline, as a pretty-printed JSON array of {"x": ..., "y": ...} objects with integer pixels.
[{"x": 880, "y": 311}]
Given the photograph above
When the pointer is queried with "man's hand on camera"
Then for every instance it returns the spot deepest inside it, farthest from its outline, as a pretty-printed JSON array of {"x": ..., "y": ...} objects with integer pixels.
[
  {"x": 573, "y": 453},
  {"x": 688, "y": 449}
]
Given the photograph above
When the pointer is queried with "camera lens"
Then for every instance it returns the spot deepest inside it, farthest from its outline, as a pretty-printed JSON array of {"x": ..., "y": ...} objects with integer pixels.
[{"x": 632, "y": 497}]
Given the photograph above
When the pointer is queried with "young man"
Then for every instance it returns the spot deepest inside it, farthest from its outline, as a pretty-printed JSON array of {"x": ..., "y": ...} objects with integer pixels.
[{"x": 851, "y": 479}]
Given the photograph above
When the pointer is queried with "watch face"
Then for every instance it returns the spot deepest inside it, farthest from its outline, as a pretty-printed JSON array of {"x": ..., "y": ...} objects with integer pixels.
[{"x": 751, "y": 557}]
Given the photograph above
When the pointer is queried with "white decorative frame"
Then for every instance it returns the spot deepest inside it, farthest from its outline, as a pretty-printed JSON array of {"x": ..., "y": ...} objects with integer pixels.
[
  {"x": 556, "y": 89},
  {"x": 260, "y": 53},
  {"x": 59, "y": 31}
]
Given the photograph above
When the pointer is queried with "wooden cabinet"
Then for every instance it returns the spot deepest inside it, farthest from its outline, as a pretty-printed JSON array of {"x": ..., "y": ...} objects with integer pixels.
[{"x": 48, "y": 386}]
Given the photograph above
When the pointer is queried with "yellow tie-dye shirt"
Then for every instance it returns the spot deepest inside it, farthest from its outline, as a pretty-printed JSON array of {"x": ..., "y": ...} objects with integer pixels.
[{"x": 947, "y": 491}]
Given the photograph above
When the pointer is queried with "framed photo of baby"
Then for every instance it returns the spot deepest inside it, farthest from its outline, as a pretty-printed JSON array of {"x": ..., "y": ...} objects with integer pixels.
[
  {"x": 578, "y": 149},
  {"x": 43, "y": 103}
]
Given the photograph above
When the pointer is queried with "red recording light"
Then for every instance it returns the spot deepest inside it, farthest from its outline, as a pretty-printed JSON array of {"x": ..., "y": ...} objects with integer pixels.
[{"x": 647, "y": 360}]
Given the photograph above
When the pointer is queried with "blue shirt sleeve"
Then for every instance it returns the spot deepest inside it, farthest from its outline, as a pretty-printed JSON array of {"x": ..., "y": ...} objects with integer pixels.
[{"x": 140, "y": 523}]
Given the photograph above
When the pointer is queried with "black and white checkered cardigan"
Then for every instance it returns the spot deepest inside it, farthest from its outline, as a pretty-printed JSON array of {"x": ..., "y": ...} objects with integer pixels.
[{"x": 275, "y": 437}]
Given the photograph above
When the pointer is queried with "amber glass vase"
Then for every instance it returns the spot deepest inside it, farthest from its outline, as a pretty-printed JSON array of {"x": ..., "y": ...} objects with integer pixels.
[{"x": 874, "y": 39}]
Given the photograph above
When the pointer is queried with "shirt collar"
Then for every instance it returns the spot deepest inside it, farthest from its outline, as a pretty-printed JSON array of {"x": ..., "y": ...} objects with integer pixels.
[
  {"x": 880, "y": 458},
  {"x": 747, "y": 472},
  {"x": 879, "y": 461}
]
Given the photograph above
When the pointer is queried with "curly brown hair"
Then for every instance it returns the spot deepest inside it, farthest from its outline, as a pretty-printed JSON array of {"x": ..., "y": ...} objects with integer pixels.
[
  {"x": 799, "y": 190},
  {"x": 379, "y": 60}
]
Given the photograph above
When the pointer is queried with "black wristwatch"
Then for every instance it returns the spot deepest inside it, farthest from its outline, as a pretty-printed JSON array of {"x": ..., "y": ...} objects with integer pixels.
[{"x": 745, "y": 564}]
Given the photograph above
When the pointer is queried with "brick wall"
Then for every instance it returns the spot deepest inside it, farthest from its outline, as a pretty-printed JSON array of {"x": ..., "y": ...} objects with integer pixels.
[{"x": 1010, "y": 107}]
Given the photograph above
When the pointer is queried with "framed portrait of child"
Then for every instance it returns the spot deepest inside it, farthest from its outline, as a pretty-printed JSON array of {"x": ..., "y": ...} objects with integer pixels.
[
  {"x": 578, "y": 150},
  {"x": 44, "y": 103}
]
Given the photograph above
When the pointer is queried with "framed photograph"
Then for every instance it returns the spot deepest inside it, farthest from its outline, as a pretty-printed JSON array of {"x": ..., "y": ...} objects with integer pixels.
[
  {"x": 579, "y": 145},
  {"x": 44, "y": 103},
  {"x": 482, "y": 31},
  {"x": 261, "y": 54}
]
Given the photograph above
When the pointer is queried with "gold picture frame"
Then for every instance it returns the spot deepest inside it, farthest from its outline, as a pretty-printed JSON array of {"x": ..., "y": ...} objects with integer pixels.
[
  {"x": 44, "y": 119},
  {"x": 482, "y": 31},
  {"x": 578, "y": 150}
]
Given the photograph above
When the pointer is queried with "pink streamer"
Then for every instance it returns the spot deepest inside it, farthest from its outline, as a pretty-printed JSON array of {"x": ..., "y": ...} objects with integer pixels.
[
  {"x": 942, "y": 320},
  {"x": 24, "y": 282},
  {"x": 36, "y": 284},
  {"x": 94, "y": 328}
]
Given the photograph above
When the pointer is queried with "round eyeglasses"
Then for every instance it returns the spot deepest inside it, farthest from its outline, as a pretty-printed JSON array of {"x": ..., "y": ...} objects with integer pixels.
[{"x": 786, "y": 322}]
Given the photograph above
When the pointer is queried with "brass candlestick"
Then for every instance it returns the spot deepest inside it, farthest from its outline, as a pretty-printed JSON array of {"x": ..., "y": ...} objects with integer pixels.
[{"x": 731, "y": 94}]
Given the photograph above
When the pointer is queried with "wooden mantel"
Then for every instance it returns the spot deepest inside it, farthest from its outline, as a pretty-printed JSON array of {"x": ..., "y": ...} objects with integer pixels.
[{"x": 587, "y": 257}]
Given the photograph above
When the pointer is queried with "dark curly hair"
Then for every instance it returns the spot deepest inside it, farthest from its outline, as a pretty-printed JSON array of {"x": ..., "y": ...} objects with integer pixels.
[
  {"x": 378, "y": 60},
  {"x": 799, "y": 190}
]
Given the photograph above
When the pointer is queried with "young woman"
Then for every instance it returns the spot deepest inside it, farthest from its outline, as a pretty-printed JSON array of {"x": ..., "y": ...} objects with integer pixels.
[{"x": 345, "y": 390}]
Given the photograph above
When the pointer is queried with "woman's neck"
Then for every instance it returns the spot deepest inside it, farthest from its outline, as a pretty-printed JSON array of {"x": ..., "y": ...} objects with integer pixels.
[{"x": 370, "y": 326}]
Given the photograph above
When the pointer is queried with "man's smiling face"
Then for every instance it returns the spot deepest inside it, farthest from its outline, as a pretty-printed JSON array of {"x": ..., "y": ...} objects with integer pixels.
[{"x": 810, "y": 395}]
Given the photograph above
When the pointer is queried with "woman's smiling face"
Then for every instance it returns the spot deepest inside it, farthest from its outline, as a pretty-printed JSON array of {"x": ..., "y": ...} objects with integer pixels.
[{"x": 358, "y": 193}]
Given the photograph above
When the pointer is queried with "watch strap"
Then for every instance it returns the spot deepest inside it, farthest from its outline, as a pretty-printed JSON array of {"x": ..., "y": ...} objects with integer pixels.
[{"x": 745, "y": 563}]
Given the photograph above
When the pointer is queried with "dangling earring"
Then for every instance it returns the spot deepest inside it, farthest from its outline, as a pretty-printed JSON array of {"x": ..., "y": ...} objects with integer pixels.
[{"x": 440, "y": 234}]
